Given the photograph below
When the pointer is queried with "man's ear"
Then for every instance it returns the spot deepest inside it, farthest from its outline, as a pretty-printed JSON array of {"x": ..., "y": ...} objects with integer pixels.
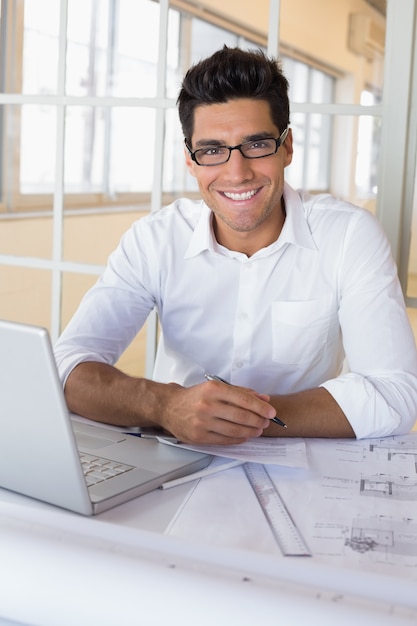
[
  {"x": 189, "y": 162},
  {"x": 288, "y": 148}
]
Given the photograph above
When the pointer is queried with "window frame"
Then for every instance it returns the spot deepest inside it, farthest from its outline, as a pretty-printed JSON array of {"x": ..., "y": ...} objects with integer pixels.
[{"x": 398, "y": 141}]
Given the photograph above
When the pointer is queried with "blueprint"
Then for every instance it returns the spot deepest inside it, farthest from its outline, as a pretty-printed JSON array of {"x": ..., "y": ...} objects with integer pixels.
[
  {"x": 365, "y": 503},
  {"x": 355, "y": 505}
]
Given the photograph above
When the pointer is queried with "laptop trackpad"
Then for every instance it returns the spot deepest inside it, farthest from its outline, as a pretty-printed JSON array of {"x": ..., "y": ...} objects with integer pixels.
[{"x": 91, "y": 443}]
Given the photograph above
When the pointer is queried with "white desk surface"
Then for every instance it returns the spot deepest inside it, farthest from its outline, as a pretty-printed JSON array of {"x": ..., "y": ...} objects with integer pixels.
[{"x": 57, "y": 568}]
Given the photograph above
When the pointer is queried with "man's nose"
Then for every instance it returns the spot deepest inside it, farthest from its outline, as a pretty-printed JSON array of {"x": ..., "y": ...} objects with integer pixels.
[{"x": 237, "y": 167}]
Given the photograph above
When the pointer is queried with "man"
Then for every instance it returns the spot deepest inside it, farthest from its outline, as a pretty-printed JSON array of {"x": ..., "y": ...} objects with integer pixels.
[{"x": 261, "y": 285}]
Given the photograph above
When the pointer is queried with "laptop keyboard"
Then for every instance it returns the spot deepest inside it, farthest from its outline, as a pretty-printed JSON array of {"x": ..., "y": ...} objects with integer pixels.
[{"x": 97, "y": 469}]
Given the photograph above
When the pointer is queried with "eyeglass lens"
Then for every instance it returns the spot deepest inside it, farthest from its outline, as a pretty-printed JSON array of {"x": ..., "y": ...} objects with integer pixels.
[{"x": 217, "y": 155}]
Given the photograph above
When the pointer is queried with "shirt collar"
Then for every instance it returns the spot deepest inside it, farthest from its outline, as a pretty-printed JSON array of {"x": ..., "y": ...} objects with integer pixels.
[
  {"x": 295, "y": 230},
  {"x": 203, "y": 236}
]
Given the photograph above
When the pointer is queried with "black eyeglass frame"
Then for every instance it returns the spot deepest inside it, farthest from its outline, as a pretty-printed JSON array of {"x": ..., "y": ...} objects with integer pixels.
[{"x": 278, "y": 142}]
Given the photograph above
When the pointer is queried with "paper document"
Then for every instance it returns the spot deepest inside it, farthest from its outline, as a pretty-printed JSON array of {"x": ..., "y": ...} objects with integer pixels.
[
  {"x": 267, "y": 450},
  {"x": 356, "y": 506}
]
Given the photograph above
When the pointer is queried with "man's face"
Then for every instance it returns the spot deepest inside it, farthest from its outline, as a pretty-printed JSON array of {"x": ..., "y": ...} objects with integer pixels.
[{"x": 243, "y": 194}]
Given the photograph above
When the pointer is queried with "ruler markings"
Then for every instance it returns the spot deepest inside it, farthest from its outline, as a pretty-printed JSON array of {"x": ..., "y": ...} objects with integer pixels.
[{"x": 279, "y": 518}]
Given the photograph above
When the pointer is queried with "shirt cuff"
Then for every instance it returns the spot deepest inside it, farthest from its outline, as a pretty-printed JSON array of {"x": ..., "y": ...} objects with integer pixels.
[{"x": 366, "y": 409}]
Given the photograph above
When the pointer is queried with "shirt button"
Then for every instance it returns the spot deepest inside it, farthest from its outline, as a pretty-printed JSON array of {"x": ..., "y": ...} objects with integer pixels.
[{"x": 239, "y": 364}]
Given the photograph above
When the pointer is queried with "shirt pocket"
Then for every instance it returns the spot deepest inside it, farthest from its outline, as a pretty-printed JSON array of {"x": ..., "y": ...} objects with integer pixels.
[{"x": 300, "y": 329}]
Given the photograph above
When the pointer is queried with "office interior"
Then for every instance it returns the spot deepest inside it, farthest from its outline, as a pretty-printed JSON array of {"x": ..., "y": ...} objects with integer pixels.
[{"x": 90, "y": 141}]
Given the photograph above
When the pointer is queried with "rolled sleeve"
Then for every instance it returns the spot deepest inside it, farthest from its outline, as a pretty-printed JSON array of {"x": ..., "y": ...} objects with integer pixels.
[
  {"x": 377, "y": 406},
  {"x": 379, "y": 394}
]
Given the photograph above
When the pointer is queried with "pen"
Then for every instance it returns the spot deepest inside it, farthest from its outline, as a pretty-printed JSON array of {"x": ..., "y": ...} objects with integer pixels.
[
  {"x": 276, "y": 420},
  {"x": 200, "y": 474}
]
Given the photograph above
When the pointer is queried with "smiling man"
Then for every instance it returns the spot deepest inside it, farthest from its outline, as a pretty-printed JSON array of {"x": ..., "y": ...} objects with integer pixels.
[
  {"x": 245, "y": 194},
  {"x": 261, "y": 286}
]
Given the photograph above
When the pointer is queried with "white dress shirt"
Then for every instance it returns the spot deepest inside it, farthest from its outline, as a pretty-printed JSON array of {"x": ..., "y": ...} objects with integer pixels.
[{"x": 279, "y": 322}]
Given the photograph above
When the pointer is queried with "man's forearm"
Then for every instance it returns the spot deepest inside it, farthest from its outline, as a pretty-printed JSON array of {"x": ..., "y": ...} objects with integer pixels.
[
  {"x": 101, "y": 392},
  {"x": 210, "y": 412},
  {"x": 310, "y": 413}
]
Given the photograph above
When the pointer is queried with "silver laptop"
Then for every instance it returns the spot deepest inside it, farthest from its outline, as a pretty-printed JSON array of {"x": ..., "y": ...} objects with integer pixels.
[{"x": 43, "y": 450}]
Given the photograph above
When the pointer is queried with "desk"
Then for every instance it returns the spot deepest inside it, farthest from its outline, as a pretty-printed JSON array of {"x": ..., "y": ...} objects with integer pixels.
[{"x": 119, "y": 568}]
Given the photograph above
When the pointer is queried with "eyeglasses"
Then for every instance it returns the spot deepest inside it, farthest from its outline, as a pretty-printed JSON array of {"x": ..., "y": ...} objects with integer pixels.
[{"x": 255, "y": 149}]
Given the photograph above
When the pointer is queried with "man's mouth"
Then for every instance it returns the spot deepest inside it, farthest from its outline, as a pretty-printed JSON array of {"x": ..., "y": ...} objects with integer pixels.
[{"x": 246, "y": 195}]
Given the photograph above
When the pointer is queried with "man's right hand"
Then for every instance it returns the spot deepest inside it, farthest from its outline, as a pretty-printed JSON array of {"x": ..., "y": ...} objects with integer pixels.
[{"x": 214, "y": 413}]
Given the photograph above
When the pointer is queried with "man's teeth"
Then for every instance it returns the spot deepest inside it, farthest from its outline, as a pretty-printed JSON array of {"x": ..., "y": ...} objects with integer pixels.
[{"x": 240, "y": 196}]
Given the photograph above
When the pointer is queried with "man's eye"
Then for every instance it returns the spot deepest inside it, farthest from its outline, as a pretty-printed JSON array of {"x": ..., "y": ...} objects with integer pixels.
[
  {"x": 212, "y": 151},
  {"x": 259, "y": 145}
]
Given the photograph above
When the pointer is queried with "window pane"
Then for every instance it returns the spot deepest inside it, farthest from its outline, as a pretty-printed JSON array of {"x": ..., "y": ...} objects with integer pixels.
[
  {"x": 310, "y": 168},
  {"x": 331, "y": 154},
  {"x": 132, "y": 149},
  {"x": 112, "y": 47},
  {"x": 37, "y": 149},
  {"x": 174, "y": 69},
  {"x": 341, "y": 38},
  {"x": 29, "y": 155},
  {"x": 40, "y": 45},
  {"x": 366, "y": 174},
  {"x": 109, "y": 150},
  {"x": 191, "y": 39},
  {"x": 177, "y": 178},
  {"x": 84, "y": 149}
]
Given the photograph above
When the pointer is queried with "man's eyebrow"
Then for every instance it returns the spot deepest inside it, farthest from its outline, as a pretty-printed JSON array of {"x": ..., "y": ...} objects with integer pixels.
[
  {"x": 256, "y": 136},
  {"x": 201, "y": 143}
]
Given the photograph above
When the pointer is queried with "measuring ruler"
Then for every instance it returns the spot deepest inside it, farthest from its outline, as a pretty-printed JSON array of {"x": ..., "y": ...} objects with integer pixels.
[{"x": 282, "y": 525}]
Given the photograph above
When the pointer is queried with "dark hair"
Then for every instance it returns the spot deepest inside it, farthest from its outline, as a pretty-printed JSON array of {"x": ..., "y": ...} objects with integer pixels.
[{"x": 230, "y": 74}]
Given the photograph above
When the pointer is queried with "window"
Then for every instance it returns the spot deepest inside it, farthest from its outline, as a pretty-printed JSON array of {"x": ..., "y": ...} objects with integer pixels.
[
  {"x": 111, "y": 57},
  {"x": 312, "y": 132},
  {"x": 90, "y": 137},
  {"x": 369, "y": 139}
]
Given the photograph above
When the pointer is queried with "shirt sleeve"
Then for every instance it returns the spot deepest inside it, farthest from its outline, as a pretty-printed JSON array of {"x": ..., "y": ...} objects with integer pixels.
[
  {"x": 379, "y": 393},
  {"x": 112, "y": 311}
]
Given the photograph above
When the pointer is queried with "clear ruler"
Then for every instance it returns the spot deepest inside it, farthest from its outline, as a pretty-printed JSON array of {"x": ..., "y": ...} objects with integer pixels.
[{"x": 282, "y": 525}]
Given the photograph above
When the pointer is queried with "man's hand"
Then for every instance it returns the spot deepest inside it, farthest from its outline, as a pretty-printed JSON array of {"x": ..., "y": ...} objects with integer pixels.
[
  {"x": 211, "y": 412},
  {"x": 214, "y": 413}
]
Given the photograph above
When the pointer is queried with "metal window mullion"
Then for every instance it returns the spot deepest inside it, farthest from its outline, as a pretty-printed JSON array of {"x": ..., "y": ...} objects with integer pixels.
[
  {"x": 395, "y": 128},
  {"x": 410, "y": 179},
  {"x": 160, "y": 110},
  {"x": 273, "y": 27},
  {"x": 107, "y": 113},
  {"x": 3, "y": 58},
  {"x": 156, "y": 199},
  {"x": 49, "y": 264},
  {"x": 58, "y": 204}
]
